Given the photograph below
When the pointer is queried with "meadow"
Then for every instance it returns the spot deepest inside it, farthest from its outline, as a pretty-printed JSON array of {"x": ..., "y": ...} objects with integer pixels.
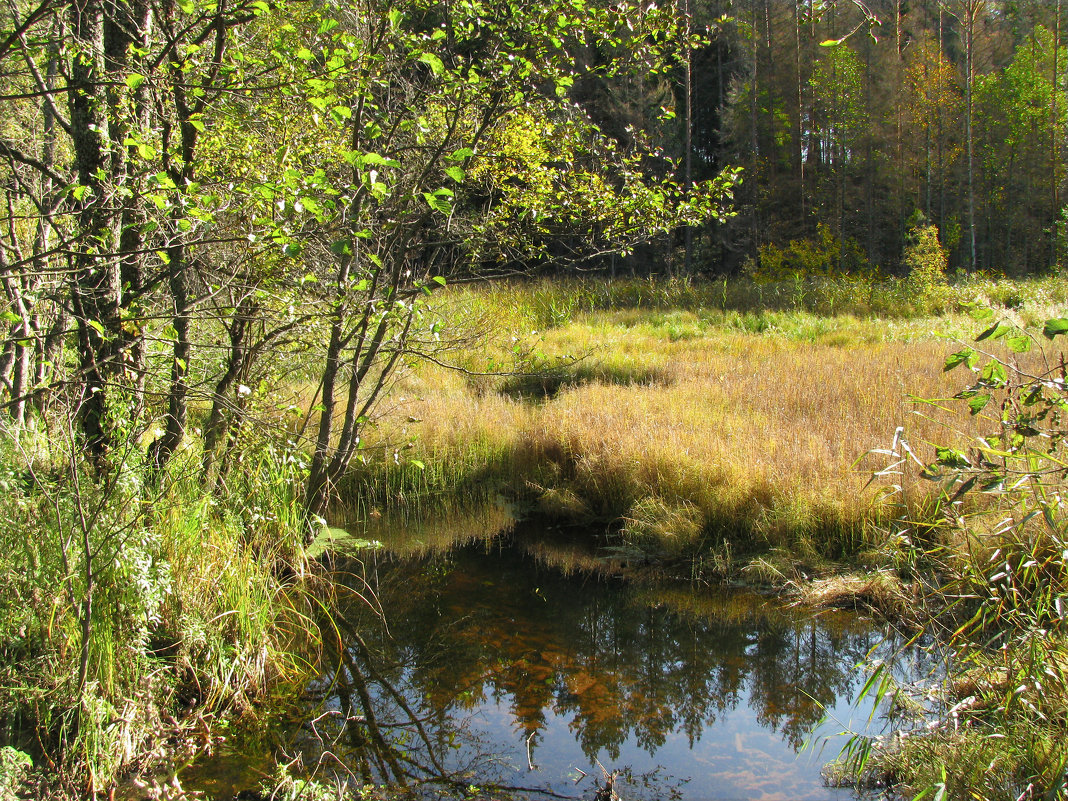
[{"x": 728, "y": 426}]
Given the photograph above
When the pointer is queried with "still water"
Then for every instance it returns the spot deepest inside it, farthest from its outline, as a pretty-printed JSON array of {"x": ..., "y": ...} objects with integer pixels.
[{"x": 485, "y": 666}]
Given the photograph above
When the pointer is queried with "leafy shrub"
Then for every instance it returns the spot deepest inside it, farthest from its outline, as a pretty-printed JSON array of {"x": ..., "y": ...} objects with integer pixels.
[
  {"x": 803, "y": 258},
  {"x": 999, "y": 585},
  {"x": 925, "y": 261}
]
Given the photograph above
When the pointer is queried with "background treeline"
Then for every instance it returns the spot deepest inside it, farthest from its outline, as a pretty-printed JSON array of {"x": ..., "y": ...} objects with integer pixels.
[{"x": 953, "y": 109}]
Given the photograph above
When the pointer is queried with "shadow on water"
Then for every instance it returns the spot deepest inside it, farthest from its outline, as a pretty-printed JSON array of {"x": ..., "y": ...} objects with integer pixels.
[{"x": 492, "y": 669}]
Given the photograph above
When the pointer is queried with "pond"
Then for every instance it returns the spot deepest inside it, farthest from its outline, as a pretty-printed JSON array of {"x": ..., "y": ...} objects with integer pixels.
[
  {"x": 487, "y": 666},
  {"x": 521, "y": 675}
]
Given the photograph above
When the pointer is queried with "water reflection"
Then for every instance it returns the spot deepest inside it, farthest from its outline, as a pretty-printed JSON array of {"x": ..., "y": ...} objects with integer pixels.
[{"x": 493, "y": 670}]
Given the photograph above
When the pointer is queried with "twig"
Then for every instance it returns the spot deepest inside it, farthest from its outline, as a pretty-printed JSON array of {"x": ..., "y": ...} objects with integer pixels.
[{"x": 530, "y": 758}]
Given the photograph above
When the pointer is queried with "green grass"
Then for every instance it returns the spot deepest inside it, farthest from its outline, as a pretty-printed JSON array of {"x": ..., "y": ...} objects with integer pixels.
[{"x": 196, "y": 612}]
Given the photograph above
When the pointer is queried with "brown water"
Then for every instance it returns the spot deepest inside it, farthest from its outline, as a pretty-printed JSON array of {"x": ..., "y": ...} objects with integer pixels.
[{"x": 489, "y": 668}]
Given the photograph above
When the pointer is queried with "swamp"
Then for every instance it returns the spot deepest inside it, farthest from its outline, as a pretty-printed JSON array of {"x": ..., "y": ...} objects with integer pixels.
[{"x": 584, "y": 399}]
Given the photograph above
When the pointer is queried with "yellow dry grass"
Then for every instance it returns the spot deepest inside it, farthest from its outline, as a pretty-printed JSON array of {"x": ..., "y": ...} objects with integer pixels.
[{"x": 753, "y": 437}]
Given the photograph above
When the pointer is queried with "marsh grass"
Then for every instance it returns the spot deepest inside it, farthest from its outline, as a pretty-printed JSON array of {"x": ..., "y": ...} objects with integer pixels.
[
  {"x": 181, "y": 610},
  {"x": 546, "y": 304},
  {"x": 678, "y": 429},
  {"x": 715, "y": 422}
]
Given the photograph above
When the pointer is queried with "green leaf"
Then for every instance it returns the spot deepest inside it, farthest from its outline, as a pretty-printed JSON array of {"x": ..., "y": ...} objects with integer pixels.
[
  {"x": 1019, "y": 344},
  {"x": 831, "y": 42},
  {"x": 438, "y": 279},
  {"x": 436, "y": 65},
  {"x": 967, "y": 357},
  {"x": 994, "y": 373},
  {"x": 951, "y": 458},
  {"x": 978, "y": 403},
  {"x": 996, "y": 331},
  {"x": 1055, "y": 326},
  {"x": 461, "y": 154},
  {"x": 455, "y": 173},
  {"x": 133, "y": 80},
  {"x": 437, "y": 202}
]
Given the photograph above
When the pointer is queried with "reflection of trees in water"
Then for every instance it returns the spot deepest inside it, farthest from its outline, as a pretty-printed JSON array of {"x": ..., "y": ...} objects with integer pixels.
[
  {"x": 495, "y": 627},
  {"x": 799, "y": 668}
]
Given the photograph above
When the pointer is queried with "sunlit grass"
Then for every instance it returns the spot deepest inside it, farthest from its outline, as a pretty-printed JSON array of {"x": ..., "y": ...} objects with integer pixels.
[{"x": 680, "y": 427}]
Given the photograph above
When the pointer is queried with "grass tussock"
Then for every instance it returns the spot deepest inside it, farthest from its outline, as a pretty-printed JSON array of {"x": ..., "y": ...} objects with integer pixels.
[{"x": 882, "y": 592}]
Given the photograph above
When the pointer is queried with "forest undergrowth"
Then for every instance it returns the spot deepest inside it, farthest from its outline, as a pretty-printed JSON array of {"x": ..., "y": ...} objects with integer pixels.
[{"x": 143, "y": 619}]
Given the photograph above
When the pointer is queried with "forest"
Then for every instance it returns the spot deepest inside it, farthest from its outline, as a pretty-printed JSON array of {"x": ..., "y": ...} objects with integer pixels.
[
  {"x": 282, "y": 275},
  {"x": 848, "y": 131}
]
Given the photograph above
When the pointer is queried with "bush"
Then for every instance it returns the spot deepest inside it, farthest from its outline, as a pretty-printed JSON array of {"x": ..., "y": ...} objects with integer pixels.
[
  {"x": 925, "y": 262},
  {"x": 998, "y": 585},
  {"x": 806, "y": 258}
]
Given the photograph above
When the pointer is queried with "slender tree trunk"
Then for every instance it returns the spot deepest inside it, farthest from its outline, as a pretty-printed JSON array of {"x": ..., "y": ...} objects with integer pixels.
[
  {"x": 1054, "y": 141},
  {"x": 971, "y": 9},
  {"x": 222, "y": 405},
  {"x": 177, "y": 397},
  {"x": 754, "y": 144},
  {"x": 688, "y": 182},
  {"x": 869, "y": 160},
  {"x": 800, "y": 145},
  {"x": 941, "y": 134},
  {"x": 96, "y": 293}
]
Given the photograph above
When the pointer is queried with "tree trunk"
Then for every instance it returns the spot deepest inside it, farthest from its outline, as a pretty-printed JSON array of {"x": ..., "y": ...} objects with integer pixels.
[{"x": 96, "y": 293}]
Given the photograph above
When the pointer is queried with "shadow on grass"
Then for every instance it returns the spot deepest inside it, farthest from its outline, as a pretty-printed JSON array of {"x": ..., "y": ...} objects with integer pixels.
[{"x": 536, "y": 387}]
